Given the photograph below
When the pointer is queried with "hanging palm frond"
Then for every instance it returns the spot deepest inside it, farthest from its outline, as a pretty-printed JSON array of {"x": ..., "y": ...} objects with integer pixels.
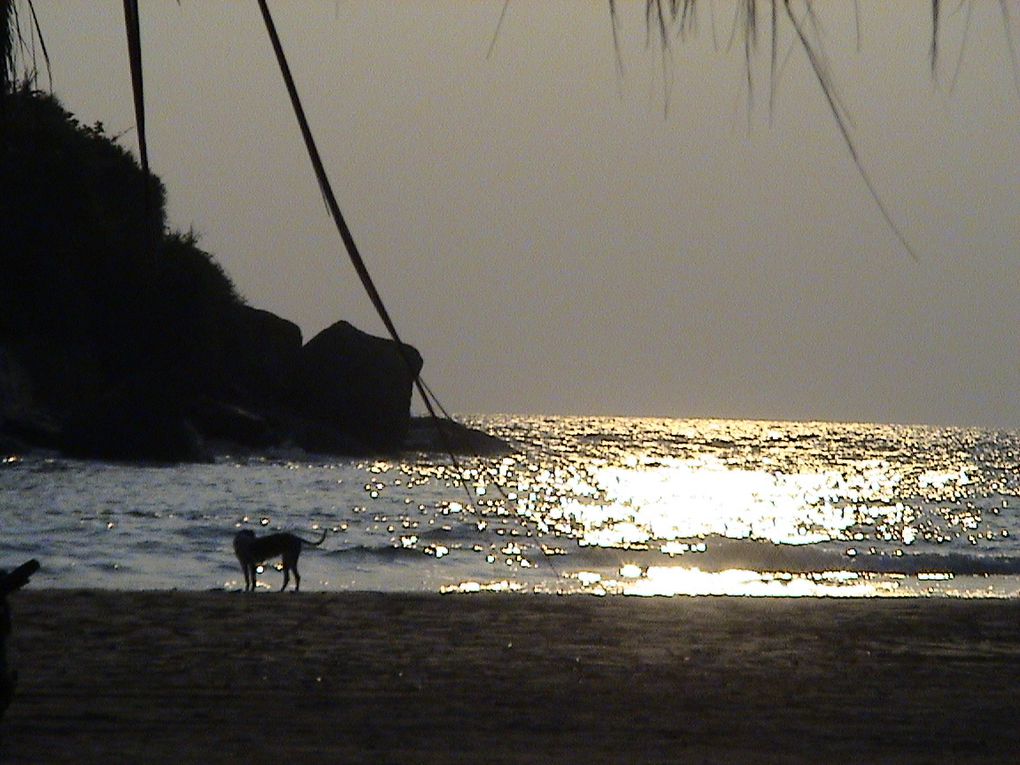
[
  {"x": 17, "y": 44},
  {"x": 669, "y": 19},
  {"x": 354, "y": 254},
  {"x": 134, "y": 42}
]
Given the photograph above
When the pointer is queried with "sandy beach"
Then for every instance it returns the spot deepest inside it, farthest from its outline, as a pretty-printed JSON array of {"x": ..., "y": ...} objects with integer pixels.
[{"x": 110, "y": 677}]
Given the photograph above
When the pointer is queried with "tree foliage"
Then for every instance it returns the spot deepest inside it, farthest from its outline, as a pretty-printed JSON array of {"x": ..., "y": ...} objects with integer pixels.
[{"x": 88, "y": 270}]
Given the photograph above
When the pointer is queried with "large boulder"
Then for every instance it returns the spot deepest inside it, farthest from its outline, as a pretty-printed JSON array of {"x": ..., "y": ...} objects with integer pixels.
[
  {"x": 359, "y": 383},
  {"x": 263, "y": 350}
]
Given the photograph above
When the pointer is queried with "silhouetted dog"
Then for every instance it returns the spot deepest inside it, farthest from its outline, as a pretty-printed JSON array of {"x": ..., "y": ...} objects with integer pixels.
[{"x": 252, "y": 550}]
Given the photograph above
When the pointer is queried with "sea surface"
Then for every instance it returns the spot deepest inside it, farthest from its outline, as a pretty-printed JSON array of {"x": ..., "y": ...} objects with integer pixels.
[{"x": 585, "y": 505}]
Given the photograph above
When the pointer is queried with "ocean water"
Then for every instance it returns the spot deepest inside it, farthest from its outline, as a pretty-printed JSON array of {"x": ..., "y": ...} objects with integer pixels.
[{"x": 601, "y": 506}]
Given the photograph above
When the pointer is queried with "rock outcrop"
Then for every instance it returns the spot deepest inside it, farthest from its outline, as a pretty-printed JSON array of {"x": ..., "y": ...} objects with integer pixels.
[
  {"x": 263, "y": 352},
  {"x": 359, "y": 383},
  {"x": 121, "y": 339},
  {"x": 427, "y": 434},
  {"x": 345, "y": 392},
  {"x": 139, "y": 420}
]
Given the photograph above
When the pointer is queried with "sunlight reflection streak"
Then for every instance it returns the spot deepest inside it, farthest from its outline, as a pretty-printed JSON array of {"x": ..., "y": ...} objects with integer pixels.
[{"x": 684, "y": 499}]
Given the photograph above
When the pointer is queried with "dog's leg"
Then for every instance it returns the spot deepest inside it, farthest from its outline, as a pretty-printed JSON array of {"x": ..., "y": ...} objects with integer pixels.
[{"x": 290, "y": 559}]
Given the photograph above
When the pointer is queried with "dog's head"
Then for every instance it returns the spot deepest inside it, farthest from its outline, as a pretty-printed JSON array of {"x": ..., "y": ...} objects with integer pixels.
[{"x": 244, "y": 534}]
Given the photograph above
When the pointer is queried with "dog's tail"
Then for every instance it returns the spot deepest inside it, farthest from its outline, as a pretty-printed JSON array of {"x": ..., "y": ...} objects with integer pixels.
[{"x": 316, "y": 543}]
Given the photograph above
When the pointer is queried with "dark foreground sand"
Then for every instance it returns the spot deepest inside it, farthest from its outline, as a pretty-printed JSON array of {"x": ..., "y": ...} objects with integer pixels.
[{"x": 122, "y": 677}]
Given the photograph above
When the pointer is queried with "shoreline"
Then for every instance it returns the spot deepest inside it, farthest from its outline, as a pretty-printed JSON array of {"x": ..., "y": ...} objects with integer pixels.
[{"x": 171, "y": 676}]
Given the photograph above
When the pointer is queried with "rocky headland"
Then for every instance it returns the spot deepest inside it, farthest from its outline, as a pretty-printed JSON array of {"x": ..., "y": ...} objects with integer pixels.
[{"x": 121, "y": 339}]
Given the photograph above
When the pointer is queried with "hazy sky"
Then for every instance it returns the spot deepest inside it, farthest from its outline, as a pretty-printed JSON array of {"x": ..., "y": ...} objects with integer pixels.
[{"x": 556, "y": 238}]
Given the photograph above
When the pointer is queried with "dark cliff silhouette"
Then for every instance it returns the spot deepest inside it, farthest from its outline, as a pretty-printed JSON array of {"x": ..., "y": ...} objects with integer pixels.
[{"x": 122, "y": 339}]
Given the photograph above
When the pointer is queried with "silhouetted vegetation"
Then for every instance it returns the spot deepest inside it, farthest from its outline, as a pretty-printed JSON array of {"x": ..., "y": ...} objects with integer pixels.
[
  {"x": 93, "y": 283},
  {"x": 122, "y": 339}
]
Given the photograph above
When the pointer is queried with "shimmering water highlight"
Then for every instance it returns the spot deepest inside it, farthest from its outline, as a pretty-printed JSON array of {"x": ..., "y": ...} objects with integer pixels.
[{"x": 605, "y": 506}]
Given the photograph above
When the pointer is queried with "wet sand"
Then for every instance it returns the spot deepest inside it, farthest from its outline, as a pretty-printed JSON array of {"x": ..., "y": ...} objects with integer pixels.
[{"x": 175, "y": 677}]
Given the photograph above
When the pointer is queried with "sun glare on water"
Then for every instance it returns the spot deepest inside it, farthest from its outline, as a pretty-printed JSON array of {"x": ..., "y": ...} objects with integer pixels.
[
  {"x": 671, "y": 581},
  {"x": 692, "y": 499}
]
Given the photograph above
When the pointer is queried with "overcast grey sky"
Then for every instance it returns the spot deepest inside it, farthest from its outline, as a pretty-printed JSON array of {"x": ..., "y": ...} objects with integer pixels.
[{"x": 554, "y": 239}]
